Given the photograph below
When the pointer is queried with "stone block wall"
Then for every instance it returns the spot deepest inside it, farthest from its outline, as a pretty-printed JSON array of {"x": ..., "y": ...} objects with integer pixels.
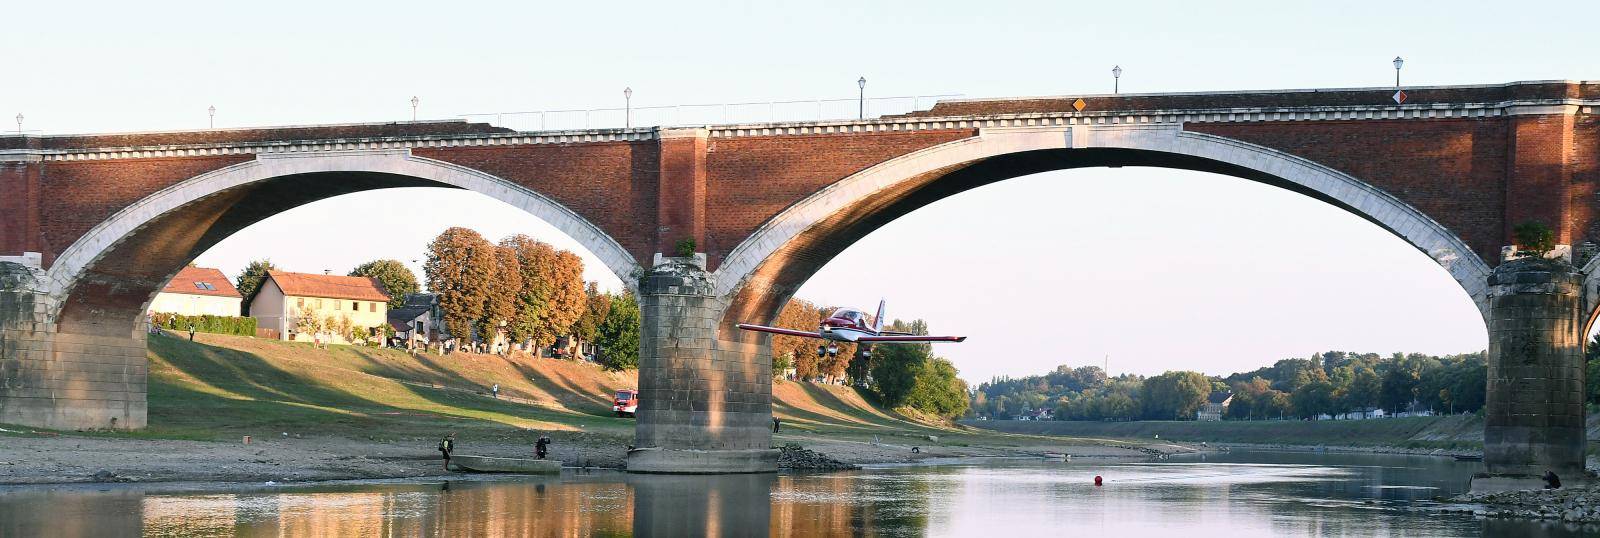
[
  {"x": 64, "y": 381},
  {"x": 1534, "y": 414},
  {"x": 694, "y": 394}
]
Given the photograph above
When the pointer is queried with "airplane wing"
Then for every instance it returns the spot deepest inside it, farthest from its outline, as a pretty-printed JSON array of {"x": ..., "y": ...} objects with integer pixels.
[
  {"x": 909, "y": 338},
  {"x": 778, "y": 330}
]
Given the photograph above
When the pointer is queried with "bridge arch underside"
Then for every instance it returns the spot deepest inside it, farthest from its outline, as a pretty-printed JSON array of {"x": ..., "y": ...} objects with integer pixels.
[
  {"x": 761, "y": 293},
  {"x": 72, "y": 348},
  {"x": 110, "y": 295}
]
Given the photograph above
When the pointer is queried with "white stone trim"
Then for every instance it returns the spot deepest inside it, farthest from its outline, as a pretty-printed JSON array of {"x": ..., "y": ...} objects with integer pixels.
[
  {"x": 1427, "y": 235},
  {"x": 87, "y": 250}
]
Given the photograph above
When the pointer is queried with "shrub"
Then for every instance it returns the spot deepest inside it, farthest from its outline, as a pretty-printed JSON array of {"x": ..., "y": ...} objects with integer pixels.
[
  {"x": 1534, "y": 237},
  {"x": 235, "y": 325}
]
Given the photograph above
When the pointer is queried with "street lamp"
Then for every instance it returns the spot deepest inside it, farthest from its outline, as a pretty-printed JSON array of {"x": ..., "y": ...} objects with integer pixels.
[
  {"x": 627, "y": 107},
  {"x": 1397, "y": 63},
  {"x": 212, "y": 110},
  {"x": 414, "y": 102},
  {"x": 1116, "y": 79},
  {"x": 861, "y": 101},
  {"x": 19, "y": 124}
]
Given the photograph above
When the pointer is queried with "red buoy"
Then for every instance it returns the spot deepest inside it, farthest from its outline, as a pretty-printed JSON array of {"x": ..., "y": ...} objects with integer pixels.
[{"x": 1097, "y": 480}]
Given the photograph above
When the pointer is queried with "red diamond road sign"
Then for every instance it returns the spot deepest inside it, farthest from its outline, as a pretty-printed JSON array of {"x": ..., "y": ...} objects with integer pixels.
[{"x": 1400, "y": 97}]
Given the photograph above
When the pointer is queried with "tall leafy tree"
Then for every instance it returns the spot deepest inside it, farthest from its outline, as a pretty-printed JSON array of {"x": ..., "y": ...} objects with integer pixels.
[
  {"x": 459, "y": 269},
  {"x": 1175, "y": 395},
  {"x": 249, "y": 282},
  {"x": 397, "y": 279},
  {"x": 500, "y": 307},
  {"x": 938, "y": 390},
  {"x": 552, "y": 297},
  {"x": 618, "y": 335},
  {"x": 596, "y": 305}
]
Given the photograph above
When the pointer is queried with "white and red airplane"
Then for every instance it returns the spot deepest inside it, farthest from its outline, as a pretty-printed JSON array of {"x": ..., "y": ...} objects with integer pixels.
[{"x": 850, "y": 325}]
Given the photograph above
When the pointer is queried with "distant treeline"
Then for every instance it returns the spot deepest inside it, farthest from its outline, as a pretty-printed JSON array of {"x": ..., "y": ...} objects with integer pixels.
[{"x": 1331, "y": 383}]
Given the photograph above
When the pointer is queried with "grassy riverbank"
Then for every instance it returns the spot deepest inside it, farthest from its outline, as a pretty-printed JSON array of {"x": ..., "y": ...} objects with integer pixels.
[{"x": 354, "y": 412}]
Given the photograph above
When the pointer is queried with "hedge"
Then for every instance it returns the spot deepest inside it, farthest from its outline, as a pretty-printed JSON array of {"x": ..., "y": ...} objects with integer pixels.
[{"x": 235, "y": 325}]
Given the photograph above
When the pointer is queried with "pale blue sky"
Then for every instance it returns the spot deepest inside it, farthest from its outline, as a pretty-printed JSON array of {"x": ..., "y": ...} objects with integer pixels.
[{"x": 1159, "y": 269}]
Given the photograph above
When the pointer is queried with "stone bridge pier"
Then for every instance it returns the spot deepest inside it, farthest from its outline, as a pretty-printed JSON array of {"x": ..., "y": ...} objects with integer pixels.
[
  {"x": 705, "y": 394},
  {"x": 1534, "y": 413},
  {"x": 63, "y": 381}
]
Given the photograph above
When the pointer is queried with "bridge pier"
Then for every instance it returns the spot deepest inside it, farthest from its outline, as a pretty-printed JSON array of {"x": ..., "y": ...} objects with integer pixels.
[
  {"x": 1534, "y": 414},
  {"x": 63, "y": 381},
  {"x": 705, "y": 402}
]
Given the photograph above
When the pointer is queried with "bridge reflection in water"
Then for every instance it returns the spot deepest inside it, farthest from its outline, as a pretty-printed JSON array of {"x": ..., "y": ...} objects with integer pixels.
[{"x": 1239, "y": 495}]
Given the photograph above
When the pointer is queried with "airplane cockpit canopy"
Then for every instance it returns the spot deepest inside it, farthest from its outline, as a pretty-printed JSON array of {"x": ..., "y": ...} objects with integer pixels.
[{"x": 855, "y": 316}]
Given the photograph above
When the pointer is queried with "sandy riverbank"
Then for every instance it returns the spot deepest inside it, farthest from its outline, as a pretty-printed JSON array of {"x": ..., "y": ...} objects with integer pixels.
[{"x": 52, "y": 459}]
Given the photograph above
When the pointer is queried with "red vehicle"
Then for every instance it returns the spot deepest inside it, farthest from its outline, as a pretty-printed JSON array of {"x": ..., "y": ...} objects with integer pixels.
[{"x": 626, "y": 402}]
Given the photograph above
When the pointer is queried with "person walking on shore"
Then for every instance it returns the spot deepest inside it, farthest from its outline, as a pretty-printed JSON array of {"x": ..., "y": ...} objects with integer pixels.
[
  {"x": 191, "y": 332},
  {"x": 496, "y": 391},
  {"x": 446, "y": 446}
]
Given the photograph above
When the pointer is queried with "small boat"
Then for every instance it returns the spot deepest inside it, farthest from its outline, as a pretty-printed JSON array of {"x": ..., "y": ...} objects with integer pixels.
[
  {"x": 1469, "y": 457},
  {"x": 488, "y": 464}
]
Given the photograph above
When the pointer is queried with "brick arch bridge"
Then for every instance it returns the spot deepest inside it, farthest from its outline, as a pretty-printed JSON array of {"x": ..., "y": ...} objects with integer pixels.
[{"x": 91, "y": 226}]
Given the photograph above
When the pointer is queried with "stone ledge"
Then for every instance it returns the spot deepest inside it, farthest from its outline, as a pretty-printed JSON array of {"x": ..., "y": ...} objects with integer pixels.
[{"x": 668, "y": 461}]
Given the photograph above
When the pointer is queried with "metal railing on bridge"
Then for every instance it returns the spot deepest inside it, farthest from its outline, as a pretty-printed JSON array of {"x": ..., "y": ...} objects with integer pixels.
[{"x": 708, "y": 114}]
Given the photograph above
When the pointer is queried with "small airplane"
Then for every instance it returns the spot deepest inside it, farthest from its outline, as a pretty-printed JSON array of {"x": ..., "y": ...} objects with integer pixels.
[{"x": 850, "y": 325}]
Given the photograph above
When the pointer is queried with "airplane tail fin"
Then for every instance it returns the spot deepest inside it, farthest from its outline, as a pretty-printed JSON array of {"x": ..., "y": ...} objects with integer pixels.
[{"x": 877, "y": 322}]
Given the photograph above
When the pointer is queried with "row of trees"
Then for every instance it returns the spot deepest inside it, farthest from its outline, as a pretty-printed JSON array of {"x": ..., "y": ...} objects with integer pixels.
[{"x": 1331, "y": 384}]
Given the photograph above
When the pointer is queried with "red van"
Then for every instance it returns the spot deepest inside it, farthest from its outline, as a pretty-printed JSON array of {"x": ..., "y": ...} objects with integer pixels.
[{"x": 626, "y": 402}]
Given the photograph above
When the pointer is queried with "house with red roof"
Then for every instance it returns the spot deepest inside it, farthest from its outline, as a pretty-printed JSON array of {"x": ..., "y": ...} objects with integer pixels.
[
  {"x": 302, "y": 306},
  {"x": 198, "y": 291}
]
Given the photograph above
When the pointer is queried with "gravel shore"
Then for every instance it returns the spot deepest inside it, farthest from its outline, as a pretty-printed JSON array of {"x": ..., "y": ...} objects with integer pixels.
[{"x": 56, "y": 459}]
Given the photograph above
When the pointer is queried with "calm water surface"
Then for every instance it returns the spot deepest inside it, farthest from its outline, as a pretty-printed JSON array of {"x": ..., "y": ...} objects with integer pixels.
[{"x": 1236, "y": 494}]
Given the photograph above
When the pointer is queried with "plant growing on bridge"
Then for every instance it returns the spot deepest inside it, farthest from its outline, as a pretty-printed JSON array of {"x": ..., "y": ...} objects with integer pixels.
[
  {"x": 1534, "y": 237},
  {"x": 685, "y": 247}
]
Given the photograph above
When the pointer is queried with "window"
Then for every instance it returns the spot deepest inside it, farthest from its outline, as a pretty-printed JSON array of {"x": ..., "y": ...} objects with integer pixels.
[
  {"x": 205, "y": 286},
  {"x": 300, "y": 302},
  {"x": 372, "y": 307},
  {"x": 355, "y": 306},
  {"x": 336, "y": 305},
  {"x": 319, "y": 304}
]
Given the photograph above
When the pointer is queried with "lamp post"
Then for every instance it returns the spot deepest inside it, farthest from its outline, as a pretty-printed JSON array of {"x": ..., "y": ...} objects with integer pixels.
[
  {"x": 861, "y": 100},
  {"x": 414, "y": 102},
  {"x": 1397, "y": 63},
  {"x": 1116, "y": 79},
  {"x": 19, "y": 124},
  {"x": 627, "y": 107},
  {"x": 212, "y": 111}
]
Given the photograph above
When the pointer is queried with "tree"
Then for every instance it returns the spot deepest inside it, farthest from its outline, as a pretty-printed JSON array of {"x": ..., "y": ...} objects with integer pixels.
[
  {"x": 1175, "y": 395},
  {"x": 895, "y": 369},
  {"x": 595, "y": 307},
  {"x": 938, "y": 390},
  {"x": 500, "y": 307},
  {"x": 801, "y": 353},
  {"x": 460, "y": 265},
  {"x": 552, "y": 297},
  {"x": 397, "y": 279},
  {"x": 618, "y": 335},
  {"x": 1313, "y": 399},
  {"x": 249, "y": 282}
]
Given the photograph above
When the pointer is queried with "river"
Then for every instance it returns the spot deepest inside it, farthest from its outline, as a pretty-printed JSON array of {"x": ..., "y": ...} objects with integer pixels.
[{"x": 1235, "y": 494}]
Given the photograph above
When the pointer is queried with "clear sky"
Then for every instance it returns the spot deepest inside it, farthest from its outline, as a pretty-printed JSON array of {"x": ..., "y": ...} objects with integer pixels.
[{"x": 1156, "y": 269}]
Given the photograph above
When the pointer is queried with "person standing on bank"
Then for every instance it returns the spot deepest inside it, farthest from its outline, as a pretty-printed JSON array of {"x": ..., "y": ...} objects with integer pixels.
[
  {"x": 496, "y": 391},
  {"x": 191, "y": 332},
  {"x": 541, "y": 447},
  {"x": 446, "y": 446}
]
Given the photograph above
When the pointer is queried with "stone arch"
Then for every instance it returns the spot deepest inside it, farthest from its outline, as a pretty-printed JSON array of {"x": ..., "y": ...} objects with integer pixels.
[
  {"x": 106, "y": 273},
  {"x": 759, "y": 275}
]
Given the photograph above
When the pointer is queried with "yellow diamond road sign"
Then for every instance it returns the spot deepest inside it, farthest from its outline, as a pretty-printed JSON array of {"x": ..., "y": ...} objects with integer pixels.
[{"x": 1079, "y": 104}]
